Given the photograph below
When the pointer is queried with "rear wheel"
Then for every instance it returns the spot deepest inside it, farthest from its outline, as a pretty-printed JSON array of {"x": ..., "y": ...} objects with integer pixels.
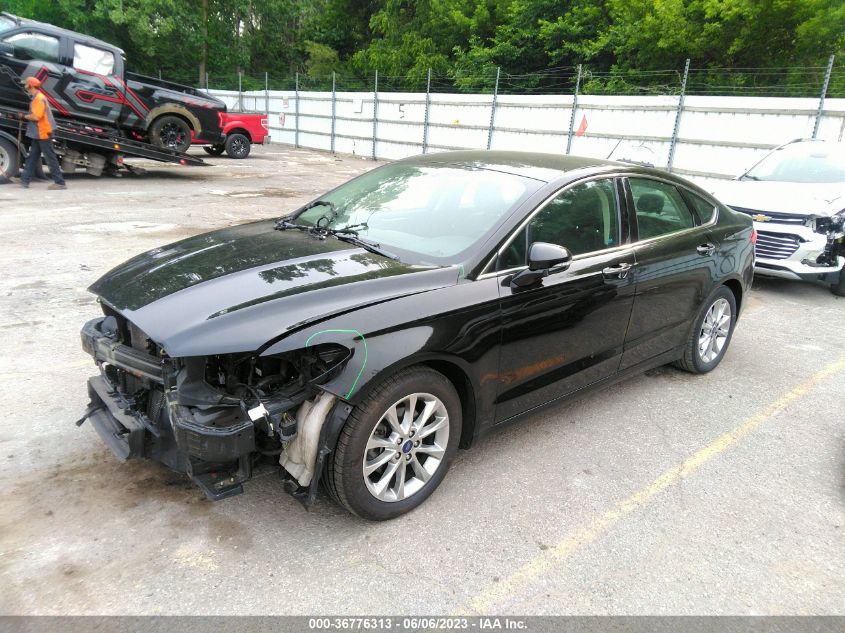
[
  {"x": 8, "y": 158},
  {"x": 214, "y": 150},
  {"x": 397, "y": 445},
  {"x": 709, "y": 339},
  {"x": 171, "y": 132},
  {"x": 238, "y": 145}
]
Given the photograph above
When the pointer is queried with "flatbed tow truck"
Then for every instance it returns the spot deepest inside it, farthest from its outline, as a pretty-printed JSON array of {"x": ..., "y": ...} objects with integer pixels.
[{"x": 99, "y": 150}]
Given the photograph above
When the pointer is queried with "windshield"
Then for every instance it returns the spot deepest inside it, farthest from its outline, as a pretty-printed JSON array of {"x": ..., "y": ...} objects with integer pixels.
[
  {"x": 424, "y": 214},
  {"x": 6, "y": 23},
  {"x": 802, "y": 162}
]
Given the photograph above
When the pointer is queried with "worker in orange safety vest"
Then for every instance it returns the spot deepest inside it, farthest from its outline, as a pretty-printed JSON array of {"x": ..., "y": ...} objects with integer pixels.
[{"x": 40, "y": 132}]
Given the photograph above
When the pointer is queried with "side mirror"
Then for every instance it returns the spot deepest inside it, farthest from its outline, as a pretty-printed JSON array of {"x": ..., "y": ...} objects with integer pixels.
[
  {"x": 542, "y": 257},
  {"x": 7, "y": 49}
]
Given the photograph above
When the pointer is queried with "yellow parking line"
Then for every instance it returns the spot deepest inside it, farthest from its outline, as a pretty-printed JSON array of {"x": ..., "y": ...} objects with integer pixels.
[{"x": 534, "y": 569}]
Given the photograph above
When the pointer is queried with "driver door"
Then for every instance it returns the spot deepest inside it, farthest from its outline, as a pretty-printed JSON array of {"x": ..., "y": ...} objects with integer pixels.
[{"x": 567, "y": 330}]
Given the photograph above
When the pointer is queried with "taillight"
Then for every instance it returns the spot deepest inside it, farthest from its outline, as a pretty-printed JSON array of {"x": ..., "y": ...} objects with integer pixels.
[{"x": 753, "y": 235}]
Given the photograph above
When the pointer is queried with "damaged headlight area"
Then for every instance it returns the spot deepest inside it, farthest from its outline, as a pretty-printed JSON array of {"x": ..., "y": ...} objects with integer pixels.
[
  {"x": 834, "y": 228},
  {"x": 213, "y": 418}
]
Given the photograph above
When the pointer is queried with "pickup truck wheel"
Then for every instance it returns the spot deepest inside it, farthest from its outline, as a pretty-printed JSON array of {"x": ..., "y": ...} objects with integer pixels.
[
  {"x": 171, "y": 132},
  {"x": 8, "y": 158},
  {"x": 238, "y": 145},
  {"x": 397, "y": 445},
  {"x": 214, "y": 150}
]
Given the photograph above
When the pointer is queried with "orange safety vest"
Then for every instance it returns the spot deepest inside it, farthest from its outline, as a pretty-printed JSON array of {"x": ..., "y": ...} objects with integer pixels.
[{"x": 40, "y": 109}]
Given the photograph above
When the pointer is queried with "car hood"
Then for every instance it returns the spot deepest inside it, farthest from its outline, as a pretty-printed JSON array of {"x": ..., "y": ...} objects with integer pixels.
[
  {"x": 236, "y": 289},
  {"x": 808, "y": 199}
]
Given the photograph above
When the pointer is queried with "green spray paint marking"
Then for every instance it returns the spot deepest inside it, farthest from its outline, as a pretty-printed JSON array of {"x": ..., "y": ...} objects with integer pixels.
[
  {"x": 463, "y": 274},
  {"x": 364, "y": 364}
]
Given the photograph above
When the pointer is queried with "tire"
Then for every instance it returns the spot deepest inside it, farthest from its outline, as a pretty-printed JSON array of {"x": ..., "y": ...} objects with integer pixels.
[
  {"x": 422, "y": 462},
  {"x": 839, "y": 288},
  {"x": 171, "y": 132},
  {"x": 238, "y": 145},
  {"x": 706, "y": 345},
  {"x": 8, "y": 158},
  {"x": 214, "y": 150}
]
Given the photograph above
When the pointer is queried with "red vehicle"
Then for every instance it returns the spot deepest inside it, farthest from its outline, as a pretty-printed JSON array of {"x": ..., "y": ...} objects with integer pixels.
[{"x": 240, "y": 131}]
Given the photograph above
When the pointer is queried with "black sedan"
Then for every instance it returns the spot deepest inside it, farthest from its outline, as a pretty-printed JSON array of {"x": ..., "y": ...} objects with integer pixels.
[{"x": 366, "y": 336}]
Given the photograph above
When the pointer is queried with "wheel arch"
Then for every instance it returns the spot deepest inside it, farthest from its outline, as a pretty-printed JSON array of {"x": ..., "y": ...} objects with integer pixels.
[
  {"x": 735, "y": 286},
  {"x": 453, "y": 370},
  {"x": 239, "y": 130},
  {"x": 177, "y": 111}
]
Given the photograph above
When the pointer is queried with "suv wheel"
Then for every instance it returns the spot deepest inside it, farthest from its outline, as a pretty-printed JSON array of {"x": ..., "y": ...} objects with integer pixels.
[
  {"x": 839, "y": 288},
  {"x": 397, "y": 445}
]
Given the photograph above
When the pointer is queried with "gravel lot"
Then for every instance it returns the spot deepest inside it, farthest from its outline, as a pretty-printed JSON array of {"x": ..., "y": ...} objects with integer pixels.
[{"x": 666, "y": 494}]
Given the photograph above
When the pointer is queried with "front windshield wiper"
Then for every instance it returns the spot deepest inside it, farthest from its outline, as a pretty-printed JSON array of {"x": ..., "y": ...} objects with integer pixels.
[
  {"x": 749, "y": 177},
  {"x": 352, "y": 238},
  {"x": 323, "y": 222}
]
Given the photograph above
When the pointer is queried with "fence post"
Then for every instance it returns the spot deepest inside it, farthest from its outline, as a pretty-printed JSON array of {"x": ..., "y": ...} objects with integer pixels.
[
  {"x": 159, "y": 73},
  {"x": 240, "y": 91},
  {"x": 296, "y": 113},
  {"x": 375, "y": 114},
  {"x": 334, "y": 105},
  {"x": 823, "y": 95},
  {"x": 493, "y": 109},
  {"x": 267, "y": 95},
  {"x": 574, "y": 108},
  {"x": 427, "y": 108},
  {"x": 678, "y": 114},
  {"x": 206, "y": 82}
]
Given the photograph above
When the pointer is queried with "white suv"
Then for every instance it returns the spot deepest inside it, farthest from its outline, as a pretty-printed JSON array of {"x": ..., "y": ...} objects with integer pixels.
[{"x": 796, "y": 197}]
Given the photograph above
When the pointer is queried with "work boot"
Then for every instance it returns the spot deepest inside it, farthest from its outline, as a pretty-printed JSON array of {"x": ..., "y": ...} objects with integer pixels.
[
  {"x": 56, "y": 185},
  {"x": 24, "y": 185}
]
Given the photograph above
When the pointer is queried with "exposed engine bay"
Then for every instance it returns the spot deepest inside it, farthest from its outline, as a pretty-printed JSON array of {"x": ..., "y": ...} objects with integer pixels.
[{"x": 213, "y": 418}]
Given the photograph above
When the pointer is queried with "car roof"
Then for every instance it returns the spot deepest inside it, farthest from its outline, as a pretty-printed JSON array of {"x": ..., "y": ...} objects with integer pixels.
[
  {"x": 537, "y": 165},
  {"x": 85, "y": 39}
]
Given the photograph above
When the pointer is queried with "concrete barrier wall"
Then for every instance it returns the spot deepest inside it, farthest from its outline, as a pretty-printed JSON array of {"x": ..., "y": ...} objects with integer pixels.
[{"x": 718, "y": 137}]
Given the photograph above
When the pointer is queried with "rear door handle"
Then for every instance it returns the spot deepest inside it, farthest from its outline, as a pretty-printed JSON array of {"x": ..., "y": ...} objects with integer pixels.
[
  {"x": 620, "y": 271},
  {"x": 706, "y": 249}
]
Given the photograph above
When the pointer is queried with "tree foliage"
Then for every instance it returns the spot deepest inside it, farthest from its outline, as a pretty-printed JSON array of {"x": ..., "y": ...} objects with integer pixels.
[{"x": 462, "y": 41}]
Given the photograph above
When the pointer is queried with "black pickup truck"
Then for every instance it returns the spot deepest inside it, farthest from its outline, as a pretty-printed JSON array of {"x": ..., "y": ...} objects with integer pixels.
[{"x": 84, "y": 79}]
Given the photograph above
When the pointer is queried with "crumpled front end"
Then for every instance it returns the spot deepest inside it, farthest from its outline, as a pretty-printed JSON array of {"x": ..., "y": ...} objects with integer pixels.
[
  {"x": 794, "y": 246},
  {"x": 213, "y": 417}
]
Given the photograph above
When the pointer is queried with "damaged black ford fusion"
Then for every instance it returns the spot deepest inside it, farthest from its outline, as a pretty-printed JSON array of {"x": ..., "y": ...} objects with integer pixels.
[{"x": 362, "y": 339}]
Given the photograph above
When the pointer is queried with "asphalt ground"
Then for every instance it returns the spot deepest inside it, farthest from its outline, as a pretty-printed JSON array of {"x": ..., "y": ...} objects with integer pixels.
[{"x": 666, "y": 494}]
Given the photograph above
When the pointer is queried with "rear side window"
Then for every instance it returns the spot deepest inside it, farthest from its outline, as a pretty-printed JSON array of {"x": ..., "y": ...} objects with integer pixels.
[
  {"x": 703, "y": 209},
  {"x": 37, "y": 46},
  {"x": 660, "y": 208},
  {"x": 93, "y": 60}
]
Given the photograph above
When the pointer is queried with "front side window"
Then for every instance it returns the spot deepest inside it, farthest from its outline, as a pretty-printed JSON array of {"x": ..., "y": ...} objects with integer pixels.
[
  {"x": 583, "y": 218},
  {"x": 6, "y": 23},
  {"x": 37, "y": 46},
  {"x": 660, "y": 208},
  {"x": 93, "y": 60},
  {"x": 426, "y": 214}
]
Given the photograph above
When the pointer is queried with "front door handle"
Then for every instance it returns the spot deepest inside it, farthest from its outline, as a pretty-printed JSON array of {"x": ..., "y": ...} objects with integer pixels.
[
  {"x": 620, "y": 271},
  {"x": 706, "y": 249}
]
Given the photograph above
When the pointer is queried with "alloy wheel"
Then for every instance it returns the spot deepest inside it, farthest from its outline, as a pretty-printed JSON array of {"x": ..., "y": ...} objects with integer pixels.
[
  {"x": 406, "y": 447},
  {"x": 714, "y": 330}
]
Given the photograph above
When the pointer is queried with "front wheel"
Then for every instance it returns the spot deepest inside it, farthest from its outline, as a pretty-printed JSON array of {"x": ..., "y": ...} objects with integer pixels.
[
  {"x": 238, "y": 146},
  {"x": 171, "y": 132},
  {"x": 711, "y": 334},
  {"x": 397, "y": 445}
]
